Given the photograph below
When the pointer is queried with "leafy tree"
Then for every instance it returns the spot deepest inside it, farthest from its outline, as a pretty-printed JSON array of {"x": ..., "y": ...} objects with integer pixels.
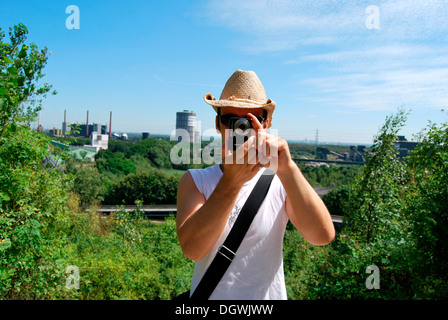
[
  {"x": 157, "y": 151},
  {"x": 89, "y": 185},
  {"x": 159, "y": 154},
  {"x": 427, "y": 206},
  {"x": 33, "y": 213},
  {"x": 151, "y": 187},
  {"x": 116, "y": 145},
  {"x": 375, "y": 232},
  {"x": 21, "y": 66},
  {"x": 114, "y": 162},
  {"x": 376, "y": 194},
  {"x": 323, "y": 176},
  {"x": 336, "y": 200}
]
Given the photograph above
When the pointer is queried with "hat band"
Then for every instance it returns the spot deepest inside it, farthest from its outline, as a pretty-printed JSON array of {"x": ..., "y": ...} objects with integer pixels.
[{"x": 232, "y": 98}]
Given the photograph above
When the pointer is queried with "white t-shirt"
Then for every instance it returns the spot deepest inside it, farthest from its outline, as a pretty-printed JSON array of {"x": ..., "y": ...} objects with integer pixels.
[{"x": 256, "y": 273}]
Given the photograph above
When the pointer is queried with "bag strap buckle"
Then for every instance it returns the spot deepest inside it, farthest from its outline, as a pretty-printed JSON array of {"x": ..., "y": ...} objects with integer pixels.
[{"x": 227, "y": 253}]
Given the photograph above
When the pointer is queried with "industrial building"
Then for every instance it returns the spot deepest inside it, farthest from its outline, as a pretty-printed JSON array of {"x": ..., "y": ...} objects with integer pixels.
[
  {"x": 186, "y": 120},
  {"x": 85, "y": 130},
  {"x": 355, "y": 154},
  {"x": 403, "y": 146}
]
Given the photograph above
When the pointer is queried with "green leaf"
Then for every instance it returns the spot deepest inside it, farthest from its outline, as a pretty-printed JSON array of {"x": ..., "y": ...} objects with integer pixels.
[
  {"x": 7, "y": 60},
  {"x": 4, "y": 196},
  {"x": 13, "y": 70},
  {"x": 22, "y": 53},
  {"x": 21, "y": 80},
  {"x": 5, "y": 244},
  {"x": 12, "y": 128}
]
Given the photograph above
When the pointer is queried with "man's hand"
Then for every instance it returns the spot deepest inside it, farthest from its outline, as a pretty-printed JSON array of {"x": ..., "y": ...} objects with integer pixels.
[
  {"x": 273, "y": 151},
  {"x": 241, "y": 165}
]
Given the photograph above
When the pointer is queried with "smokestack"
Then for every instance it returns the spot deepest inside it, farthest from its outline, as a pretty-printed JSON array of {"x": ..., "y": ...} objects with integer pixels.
[
  {"x": 110, "y": 126},
  {"x": 87, "y": 124},
  {"x": 64, "y": 124},
  {"x": 39, "y": 126}
]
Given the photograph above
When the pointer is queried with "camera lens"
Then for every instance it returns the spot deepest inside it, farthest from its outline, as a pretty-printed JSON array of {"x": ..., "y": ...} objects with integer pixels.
[{"x": 242, "y": 124}]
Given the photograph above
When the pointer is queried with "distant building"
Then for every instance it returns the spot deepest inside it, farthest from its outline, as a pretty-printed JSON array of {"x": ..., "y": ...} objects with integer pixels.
[
  {"x": 322, "y": 153},
  {"x": 186, "y": 120},
  {"x": 403, "y": 146},
  {"x": 145, "y": 135},
  {"x": 87, "y": 152},
  {"x": 84, "y": 130},
  {"x": 55, "y": 132},
  {"x": 120, "y": 135},
  {"x": 83, "y": 153},
  {"x": 101, "y": 129},
  {"x": 357, "y": 153},
  {"x": 62, "y": 146},
  {"x": 99, "y": 141}
]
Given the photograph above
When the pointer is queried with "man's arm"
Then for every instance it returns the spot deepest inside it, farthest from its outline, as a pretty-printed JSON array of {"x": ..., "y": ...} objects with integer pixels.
[
  {"x": 305, "y": 208},
  {"x": 199, "y": 222}
]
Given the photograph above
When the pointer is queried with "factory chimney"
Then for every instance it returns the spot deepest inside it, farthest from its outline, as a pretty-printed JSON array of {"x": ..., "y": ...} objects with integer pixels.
[
  {"x": 87, "y": 125},
  {"x": 64, "y": 124},
  {"x": 110, "y": 126},
  {"x": 39, "y": 126}
]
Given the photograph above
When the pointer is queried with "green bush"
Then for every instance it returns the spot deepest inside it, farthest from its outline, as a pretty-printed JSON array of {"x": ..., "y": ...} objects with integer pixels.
[
  {"x": 114, "y": 162},
  {"x": 427, "y": 207},
  {"x": 32, "y": 216},
  {"x": 125, "y": 257},
  {"x": 395, "y": 218},
  {"x": 89, "y": 184},
  {"x": 151, "y": 187},
  {"x": 333, "y": 176},
  {"x": 32, "y": 197},
  {"x": 336, "y": 200}
]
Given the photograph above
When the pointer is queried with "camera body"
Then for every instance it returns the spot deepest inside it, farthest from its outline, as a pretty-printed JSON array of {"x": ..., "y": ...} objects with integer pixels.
[{"x": 240, "y": 131}]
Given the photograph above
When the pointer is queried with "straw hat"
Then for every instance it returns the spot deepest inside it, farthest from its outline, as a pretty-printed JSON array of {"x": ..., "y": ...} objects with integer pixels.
[{"x": 243, "y": 90}]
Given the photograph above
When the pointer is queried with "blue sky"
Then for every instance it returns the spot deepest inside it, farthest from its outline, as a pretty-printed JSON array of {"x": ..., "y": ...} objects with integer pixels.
[{"x": 146, "y": 60}]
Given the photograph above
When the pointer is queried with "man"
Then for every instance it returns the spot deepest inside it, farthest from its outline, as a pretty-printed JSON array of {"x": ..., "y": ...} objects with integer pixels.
[{"x": 209, "y": 200}]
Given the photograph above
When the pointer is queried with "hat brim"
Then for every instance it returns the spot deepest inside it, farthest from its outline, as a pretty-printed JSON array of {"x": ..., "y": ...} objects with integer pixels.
[{"x": 269, "y": 106}]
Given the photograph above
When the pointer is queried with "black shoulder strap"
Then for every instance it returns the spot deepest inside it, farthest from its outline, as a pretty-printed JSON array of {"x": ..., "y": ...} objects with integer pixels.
[{"x": 228, "y": 249}]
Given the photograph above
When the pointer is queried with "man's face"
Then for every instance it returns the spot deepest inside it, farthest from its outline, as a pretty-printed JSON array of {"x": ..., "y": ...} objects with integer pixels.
[
  {"x": 238, "y": 112},
  {"x": 256, "y": 148}
]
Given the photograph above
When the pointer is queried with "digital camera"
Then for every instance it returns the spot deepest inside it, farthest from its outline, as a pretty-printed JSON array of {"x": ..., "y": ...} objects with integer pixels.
[{"x": 240, "y": 131}]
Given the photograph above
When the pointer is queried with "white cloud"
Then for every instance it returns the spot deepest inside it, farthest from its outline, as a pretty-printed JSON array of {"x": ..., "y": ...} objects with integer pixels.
[
  {"x": 384, "y": 90},
  {"x": 403, "y": 63},
  {"x": 278, "y": 25},
  {"x": 322, "y": 22}
]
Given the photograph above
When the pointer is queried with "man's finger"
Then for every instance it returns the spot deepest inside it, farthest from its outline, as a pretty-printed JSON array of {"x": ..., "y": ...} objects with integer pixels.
[
  {"x": 255, "y": 123},
  {"x": 248, "y": 147}
]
